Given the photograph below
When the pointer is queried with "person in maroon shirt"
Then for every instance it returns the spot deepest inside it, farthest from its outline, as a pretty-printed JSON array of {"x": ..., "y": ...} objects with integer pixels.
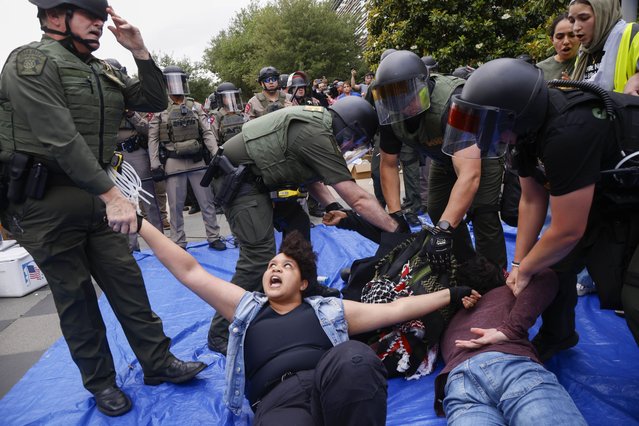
[{"x": 492, "y": 370}]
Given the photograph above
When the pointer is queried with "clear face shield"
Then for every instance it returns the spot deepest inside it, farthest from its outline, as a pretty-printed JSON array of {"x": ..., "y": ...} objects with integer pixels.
[
  {"x": 402, "y": 100},
  {"x": 477, "y": 131},
  {"x": 176, "y": 84},
  {"x": 353, "y": 142},
  {"x": 231, "y": 100}
]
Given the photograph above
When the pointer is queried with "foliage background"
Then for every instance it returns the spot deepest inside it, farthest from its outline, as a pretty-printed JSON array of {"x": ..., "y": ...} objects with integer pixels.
[
  {"x": 461, "y": 32},
  {"x": 308, "y": 35}
]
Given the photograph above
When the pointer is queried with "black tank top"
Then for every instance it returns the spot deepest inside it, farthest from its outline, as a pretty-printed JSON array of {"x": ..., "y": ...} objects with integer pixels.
[{"x": 278, "y": 344}]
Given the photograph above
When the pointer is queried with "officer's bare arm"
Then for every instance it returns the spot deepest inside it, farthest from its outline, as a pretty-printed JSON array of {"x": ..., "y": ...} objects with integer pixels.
[
  {"x": 320, "y": 192},
  {"x": 222, "y": 295},
  {"x": 365, "y": 204},
  {"x": 461, "y": 196},
  {"x": 120, "y": 211},
  {"x": 389, "y": 175},
  {"x": 128, "y": 36},
  {"x": 569, "y": 219}
]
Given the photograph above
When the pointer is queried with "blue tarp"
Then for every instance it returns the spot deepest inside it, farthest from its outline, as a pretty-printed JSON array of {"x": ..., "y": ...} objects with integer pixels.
[{"x": 601, "y": 373}]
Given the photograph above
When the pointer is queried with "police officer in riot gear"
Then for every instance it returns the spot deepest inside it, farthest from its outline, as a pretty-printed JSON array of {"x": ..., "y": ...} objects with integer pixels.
[
  {"x": 178, "y": 139},
  {"x": 61, "y": 193},
  {"x": 227, "y": 118},
  {"x": 412, "y": 108},
  {"x": 132, "y": 143},
  {"x": 279, "y": 152},
  {"x": 297, "y": 87},
  {"x": 271, "y": 98},
  {"x": 563, "y": 147}
]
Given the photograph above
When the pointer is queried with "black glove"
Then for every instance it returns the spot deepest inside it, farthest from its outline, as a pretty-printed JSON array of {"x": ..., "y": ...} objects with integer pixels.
[
  {"x": 158, "y": 174},
  {"x": 458, "y": 293},
  {"x": 437, "y": 249},
  {"x": 402, "y": 225},
  {"x": 334, "y": 206}
]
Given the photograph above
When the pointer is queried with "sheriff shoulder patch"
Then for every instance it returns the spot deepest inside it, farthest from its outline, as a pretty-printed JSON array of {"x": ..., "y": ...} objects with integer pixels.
[{"x": 30, "y": 61}]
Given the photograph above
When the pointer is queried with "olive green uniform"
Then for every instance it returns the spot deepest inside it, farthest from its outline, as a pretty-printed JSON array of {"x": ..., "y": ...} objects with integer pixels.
[
  {"x": 427, "y": 138},
  {"x": 65, "y": 112},
  {"x": 291, "y": 146}
]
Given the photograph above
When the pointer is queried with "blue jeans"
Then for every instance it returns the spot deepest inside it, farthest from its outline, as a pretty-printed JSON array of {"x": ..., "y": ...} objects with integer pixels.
[{"x": 495, "y": 388}]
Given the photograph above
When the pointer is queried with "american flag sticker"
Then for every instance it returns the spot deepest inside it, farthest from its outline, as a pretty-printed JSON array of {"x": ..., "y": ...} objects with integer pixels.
[{"x": 32, "y": 273}]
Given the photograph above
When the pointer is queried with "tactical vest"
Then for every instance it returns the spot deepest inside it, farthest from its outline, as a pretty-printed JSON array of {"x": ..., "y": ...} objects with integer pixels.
[
  {"x": 94, "y": 99},
  {"x": 229, "y": 125},
  {"x": 266, "y": 142},
  {"x": 181, "y": 123},
  {"x": 281, "y": 99},
  {"x": 428, "y": 135}
]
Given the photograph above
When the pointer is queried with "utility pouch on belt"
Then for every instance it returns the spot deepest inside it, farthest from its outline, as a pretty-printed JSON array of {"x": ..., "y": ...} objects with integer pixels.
[
  {"x": 18, "y": 172},
  {"x": 37, "y": 181},
  {"x": 188, "y": 148}
]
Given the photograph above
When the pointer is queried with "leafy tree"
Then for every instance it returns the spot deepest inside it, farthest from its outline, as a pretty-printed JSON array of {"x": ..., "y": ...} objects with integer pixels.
[
  {"x": 289, "y": 35},
  {"x": 461, "y": 32},
  {"x": 201, "y": 81}
]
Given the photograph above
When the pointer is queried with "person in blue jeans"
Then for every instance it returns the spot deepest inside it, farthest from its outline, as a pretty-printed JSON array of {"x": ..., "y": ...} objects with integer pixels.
[
  {"x": 492, "y": 373},
  {"x": 289, "y": 349}
]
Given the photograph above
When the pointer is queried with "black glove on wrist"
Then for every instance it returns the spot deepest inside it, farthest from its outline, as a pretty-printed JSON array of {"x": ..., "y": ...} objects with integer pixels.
[
  {"x": 334, "y": 206},
  {"x": 437, "y": 249},
  {"x": 458, "y": 293},
  {"x": 158, "y": 174},
  {"x": 402, "y": 225}
]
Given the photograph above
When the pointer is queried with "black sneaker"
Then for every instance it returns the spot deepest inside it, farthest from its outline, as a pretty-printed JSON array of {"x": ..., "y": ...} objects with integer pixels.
[
  {"x": 218, "y": 344},
  {"x": 194, "y": 209},
  {"x": 217, "y": 245},
  {"x": 547, "y": 348}
]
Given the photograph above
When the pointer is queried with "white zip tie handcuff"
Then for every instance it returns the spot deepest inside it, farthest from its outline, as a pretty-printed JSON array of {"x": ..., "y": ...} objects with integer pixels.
[{"x": 128, "y": 182}]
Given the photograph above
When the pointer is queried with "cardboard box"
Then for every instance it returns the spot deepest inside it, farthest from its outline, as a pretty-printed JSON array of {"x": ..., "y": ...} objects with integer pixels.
[
  {"x": 361, "y": 170},
  {"x": 19, "y": 274}
]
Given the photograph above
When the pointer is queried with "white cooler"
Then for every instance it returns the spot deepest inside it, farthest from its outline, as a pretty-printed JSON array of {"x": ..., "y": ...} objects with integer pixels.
[{"x": 19, "y": 274}]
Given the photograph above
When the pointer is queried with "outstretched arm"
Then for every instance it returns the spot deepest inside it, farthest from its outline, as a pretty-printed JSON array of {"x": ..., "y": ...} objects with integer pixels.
[
  {"x": 363, "y": 317},
  {"x": 222, "y": 295}
]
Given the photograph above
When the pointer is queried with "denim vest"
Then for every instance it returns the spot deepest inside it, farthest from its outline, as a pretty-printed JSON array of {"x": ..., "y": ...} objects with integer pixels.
[{"x": 329, "y": 311}]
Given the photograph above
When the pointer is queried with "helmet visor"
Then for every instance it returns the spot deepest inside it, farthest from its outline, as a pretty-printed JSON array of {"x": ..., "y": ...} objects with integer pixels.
[
  {"x": 176, "y": 84},
  {"x": 353, "y": 142},
  {"x": 477, "y": 131},
  {"x": 399, "y": 101},
  {"x": 231, "y": 100}
]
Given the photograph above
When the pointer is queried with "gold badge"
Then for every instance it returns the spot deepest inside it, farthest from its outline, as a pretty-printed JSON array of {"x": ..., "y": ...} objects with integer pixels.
[
  {"x": 313, "y": 108},
  {"x": 30, "y": 61}
]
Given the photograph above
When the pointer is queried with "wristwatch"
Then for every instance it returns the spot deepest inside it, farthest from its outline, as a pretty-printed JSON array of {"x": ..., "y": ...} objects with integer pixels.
[{"x": 444, "y": 225}]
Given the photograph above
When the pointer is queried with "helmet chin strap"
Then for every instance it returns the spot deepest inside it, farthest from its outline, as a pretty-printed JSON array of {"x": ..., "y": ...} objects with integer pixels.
[
  {"x": 271, "y": 91},
  {"x": 90, "y": 44}
]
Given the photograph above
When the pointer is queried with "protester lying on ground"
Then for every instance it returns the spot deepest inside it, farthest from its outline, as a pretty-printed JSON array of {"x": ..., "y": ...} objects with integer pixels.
[
  {"x": 492, "y": 370},
  {"x": 399, "y": 269},
  {"x": 299, "y": 335}
]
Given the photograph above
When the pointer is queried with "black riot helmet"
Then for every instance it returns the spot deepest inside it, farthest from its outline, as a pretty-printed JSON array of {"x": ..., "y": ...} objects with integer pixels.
[
  {"x": 229, "y": 97},
  {"x": 177, "y": 81},
  {"x": 354, "y": 125},
  {"x": 116, "y": 65},
  {"x": 96, "y": 8},
  {"x": 297, "y": 80},
  {"x": 401, "y": 87},
  {"x": 267, "y": 74},
  {"x": 386, "y": 52},
  {"x": 283, "y": 80},
  {"x": 502, "y": 101},
  {"x": 430, "y": 63}
]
